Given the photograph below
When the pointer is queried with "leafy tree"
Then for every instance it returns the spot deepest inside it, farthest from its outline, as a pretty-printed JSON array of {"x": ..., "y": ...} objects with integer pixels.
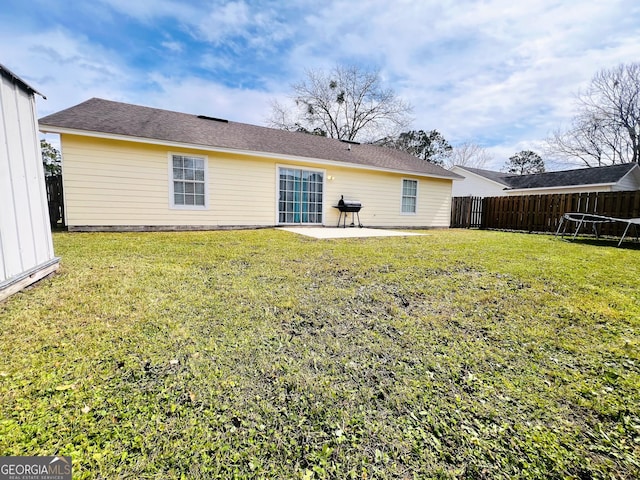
[
  {"x": 430, "y": 146},
  {"x": 346, "y": 102},
  {"x": 606, "y": 127},
  {"x": 468, "y": 154},
  {"x": 524, "y": 163},
  {"x": 51, "y": 159}
]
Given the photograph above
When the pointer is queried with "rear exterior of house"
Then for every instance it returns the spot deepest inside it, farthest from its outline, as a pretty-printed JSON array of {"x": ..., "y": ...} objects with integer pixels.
[
  {"x": 26, "y": 247},
  {"x": 233, "y": 176}
]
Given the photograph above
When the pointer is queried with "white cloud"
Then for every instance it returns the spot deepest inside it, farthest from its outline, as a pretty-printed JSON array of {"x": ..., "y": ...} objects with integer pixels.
[
  {"x": 230, "y": 19},
  {"x": 65, "y": 68},
  {"x": 175, "y": 47},
  {"x": 214, "y": 22},
  {"x": 495, "y": 69},
  {"x": 200, "y": 97},
  {"x": 517, "y": 77},
  {"x": 149, "y": 10},
  {"x": 498, "y": 72},
  {"x": 68, "y": 70}
]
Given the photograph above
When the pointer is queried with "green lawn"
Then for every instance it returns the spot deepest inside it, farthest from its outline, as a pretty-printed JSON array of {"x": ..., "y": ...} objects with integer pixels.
[{"x": 261, "y": 354}]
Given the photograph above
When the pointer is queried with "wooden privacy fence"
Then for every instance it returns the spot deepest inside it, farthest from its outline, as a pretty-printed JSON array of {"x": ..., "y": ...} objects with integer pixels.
[
  {"x": 542, "y": 213},
  {"x": 55, "y": 200},
  {"x": 466, "y": 212}
]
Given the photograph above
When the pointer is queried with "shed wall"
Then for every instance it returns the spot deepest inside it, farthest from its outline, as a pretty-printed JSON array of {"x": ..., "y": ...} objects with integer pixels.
[{"x": 25, "y": 235}]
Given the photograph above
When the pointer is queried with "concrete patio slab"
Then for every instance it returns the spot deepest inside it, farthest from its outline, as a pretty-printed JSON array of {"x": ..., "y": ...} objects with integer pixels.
[{"x": 333, "y": 232}]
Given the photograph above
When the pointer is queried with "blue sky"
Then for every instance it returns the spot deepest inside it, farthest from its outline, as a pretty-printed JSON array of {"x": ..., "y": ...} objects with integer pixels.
[{"x": 500, "y": 73}]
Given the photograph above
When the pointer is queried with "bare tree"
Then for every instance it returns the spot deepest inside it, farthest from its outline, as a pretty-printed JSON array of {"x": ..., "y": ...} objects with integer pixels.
[
  {"x": 347, "y": 102},
  {"x": 590, "y": 142},
  {"x": 606, "y": 129},
  {"x": 468, "y": 154}
]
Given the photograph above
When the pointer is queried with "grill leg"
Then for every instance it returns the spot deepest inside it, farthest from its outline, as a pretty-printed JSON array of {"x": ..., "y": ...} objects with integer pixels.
[
  {"x": 343, "y": 215},
  {"x": 342, "y": 218}
]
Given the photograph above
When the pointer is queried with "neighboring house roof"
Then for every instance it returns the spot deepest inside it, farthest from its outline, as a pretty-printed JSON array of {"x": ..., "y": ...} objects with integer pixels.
[
  {"x": 108, "y": 118},
  {"x": 583, "y": 176},
  {"x": 497, "y": 177},
  {"x": 5, "y": 72},
  {"x": 608, "y": 175}
]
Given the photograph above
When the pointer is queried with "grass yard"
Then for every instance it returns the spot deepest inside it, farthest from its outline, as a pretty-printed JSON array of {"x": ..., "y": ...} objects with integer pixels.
[{"x": 262, "y": 354}]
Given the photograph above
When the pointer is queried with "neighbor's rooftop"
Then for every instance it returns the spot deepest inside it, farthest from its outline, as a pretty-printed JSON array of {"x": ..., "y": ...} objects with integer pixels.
[{"x": 582, "y": 176}]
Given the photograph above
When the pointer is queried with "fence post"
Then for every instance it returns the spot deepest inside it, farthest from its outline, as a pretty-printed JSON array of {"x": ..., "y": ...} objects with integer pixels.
[{"x": 55, "y": 200}]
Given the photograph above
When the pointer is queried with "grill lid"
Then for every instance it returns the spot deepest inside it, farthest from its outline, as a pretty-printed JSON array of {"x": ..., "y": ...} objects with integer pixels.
[{"x": 348, "y": 203}]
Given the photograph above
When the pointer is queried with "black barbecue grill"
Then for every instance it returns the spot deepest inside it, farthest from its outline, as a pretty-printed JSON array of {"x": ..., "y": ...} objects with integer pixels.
[{"x": 348, "y": 206}]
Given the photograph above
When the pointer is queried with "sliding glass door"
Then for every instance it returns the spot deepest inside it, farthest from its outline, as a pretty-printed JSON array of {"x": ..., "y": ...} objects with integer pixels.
[{"x": 300, "y": 196}]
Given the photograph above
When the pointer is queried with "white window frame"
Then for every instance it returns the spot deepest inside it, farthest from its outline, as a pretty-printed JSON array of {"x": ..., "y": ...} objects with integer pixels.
[
  {"x": 402, "y": 196},
  {"x": 172, "y": 203}
]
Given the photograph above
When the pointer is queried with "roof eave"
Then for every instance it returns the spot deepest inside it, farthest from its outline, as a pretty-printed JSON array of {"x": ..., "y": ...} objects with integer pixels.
[
  {"x": 44, "y": 128},
  {"x": 15, "y": 78}
]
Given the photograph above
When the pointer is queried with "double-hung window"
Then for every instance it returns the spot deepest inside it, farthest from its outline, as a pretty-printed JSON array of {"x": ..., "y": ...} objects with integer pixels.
[
  {"x": 188, "y": 181},
  {"x": 409, "y": 195}
]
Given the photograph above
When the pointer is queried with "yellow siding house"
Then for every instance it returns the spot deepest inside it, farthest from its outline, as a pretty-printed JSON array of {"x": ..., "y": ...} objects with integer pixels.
[{"x": 128, "y": 167}]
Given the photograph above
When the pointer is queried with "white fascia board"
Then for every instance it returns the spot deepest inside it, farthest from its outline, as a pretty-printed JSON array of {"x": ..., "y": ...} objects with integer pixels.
[
  {"x": 126, "y": 138},
  {"x": 561, "y": 187}
]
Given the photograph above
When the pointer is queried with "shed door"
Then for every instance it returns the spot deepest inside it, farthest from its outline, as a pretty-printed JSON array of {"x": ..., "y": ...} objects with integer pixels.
[{"x": 300, "y": 196}]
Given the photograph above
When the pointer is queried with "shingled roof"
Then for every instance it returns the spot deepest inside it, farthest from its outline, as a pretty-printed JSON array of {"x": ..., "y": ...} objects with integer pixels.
[
  {"x": 98, "y": 116},
  {"x": 565, "y": 178},
  {"x": 497, "y": 177},
  {"x": 581, "y": 176}
]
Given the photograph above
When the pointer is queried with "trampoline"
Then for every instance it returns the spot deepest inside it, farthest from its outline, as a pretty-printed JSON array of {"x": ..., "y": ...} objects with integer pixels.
[{"x": 581, "y": 219}]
